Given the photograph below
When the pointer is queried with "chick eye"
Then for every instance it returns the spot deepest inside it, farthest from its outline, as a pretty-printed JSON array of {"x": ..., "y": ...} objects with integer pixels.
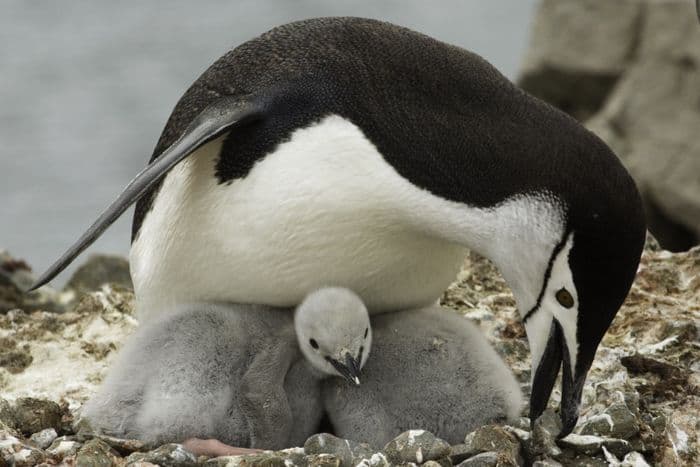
[
  {"x": 564, "y": 298},
  {"x": 313, "y": 343},
  {"x": 366, "y": 329}
]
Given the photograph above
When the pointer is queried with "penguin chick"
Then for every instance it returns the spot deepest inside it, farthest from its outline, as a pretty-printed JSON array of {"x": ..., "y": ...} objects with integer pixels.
[
  {"x": 228, "y": 372},
  {"x": 333, "y": 329},
  {"x": 430, "y": 369}
]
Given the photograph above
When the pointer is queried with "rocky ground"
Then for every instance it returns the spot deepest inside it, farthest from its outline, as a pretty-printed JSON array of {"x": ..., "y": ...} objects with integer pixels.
[{"x": 641, "y": 402}]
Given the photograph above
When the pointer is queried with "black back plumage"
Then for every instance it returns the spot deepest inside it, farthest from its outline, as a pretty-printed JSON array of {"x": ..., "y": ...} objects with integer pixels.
[{"x": 443, "y": 117}]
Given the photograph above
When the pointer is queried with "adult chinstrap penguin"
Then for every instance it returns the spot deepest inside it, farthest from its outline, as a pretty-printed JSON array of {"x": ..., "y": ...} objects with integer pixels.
[
  {"x": 245, "y": 375},
  {"x": 359, "y": 153}
]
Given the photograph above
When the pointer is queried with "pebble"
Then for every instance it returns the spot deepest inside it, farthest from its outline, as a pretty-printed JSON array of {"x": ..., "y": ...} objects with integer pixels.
[
  {"x": 43, "y": 439},
  {"x": 617, "y": 421},
  {"x": 484, "y": 459},
  {"x": 416, "y": 446},
  {"x": 349, "y": 452},
  {"x": 544, "y": 436},
  {"x": 168, "y": 455},
  {"x": 546, "y": 462},
  {"x": 96, "y": 453},
  {"x": 32, "y": 415},
  {"x": 590, "y": 444},
  {"x": 495, "y": 438},
  {"x": 98, "y": 270},
  {"x": 324, "y": 460},
  {"x": 64, "y": 446}
]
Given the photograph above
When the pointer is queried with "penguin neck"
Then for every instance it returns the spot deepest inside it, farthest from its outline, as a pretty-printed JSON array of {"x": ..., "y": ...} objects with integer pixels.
[{"x": 518, "y": 235}]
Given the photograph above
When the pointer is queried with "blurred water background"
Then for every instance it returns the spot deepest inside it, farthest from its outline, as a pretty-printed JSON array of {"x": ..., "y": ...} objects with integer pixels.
[{"x": 86, "y": 87}]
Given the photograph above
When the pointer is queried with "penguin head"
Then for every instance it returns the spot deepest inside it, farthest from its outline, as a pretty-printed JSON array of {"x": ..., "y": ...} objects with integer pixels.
[
  {"x": 591, "y": 271},
  {"x": 334, "y": 333}
]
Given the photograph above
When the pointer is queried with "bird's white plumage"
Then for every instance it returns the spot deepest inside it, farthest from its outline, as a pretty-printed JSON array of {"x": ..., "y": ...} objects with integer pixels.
[
  {"x": 325, "y": 208},
  {"x": 567, "y": 317}
]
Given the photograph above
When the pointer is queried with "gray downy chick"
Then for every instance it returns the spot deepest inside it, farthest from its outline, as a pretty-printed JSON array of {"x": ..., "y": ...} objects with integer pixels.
[
  {"x": 430, "y": 369},
  {"x": 229, "y": 372}
]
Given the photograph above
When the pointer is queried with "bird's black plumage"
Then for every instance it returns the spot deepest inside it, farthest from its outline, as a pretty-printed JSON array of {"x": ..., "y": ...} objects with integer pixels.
[{"x": 442, "y": 116}]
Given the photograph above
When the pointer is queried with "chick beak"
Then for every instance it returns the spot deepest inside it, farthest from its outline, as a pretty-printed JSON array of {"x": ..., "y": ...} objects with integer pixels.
[
  {"x": 350, "y": 370},
  {"x": 353, "y": 367}
]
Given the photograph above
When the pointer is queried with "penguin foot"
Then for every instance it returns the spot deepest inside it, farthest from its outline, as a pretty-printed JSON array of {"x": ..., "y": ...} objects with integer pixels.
[{"x": 214, "y": 448}]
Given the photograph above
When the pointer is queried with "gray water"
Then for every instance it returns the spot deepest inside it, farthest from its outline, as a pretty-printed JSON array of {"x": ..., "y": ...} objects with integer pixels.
[{"x": 86, "y": 87}]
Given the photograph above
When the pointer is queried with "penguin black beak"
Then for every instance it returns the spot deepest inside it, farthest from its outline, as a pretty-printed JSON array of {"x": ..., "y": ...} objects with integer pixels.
[
  {"x": 350, "y": 370},
  {"x": 555, "y": 356}
]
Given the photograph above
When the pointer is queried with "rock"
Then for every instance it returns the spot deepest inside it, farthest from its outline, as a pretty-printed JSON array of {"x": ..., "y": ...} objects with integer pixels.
[
  {"x": 416, "y": 446},
  {"x": 635, "y": 64},
  {"x": 375, "y": 460},
  {"x": 14, "y": 358},
  {"x": 43, "y": 439},
  {"x": 324, "y": 460},
  {"x": 546, "y": 462},
  {"x": 265, "y": 459},
  {"x": 497, "y": 439},
  {"x": 168, "y": 455},
  {"x": 461, "y": 452},
  {"x": 15, "y": 278},
  {"x": 99, "y": 270},
  {"x": 634, "y": 459},
  {"x": 122, "y": 446},
  {"x": 617, "y": 421},
  {"x": 33, "y": 415},
  {"x": 348, "y": 452},
  {"x": 64, "y": 446},
  {"x": 589, "y": 444},
  {"x": 485, "y": 459},
  {"x": 544, "y": 435},
  {"x": 570, "y": 66},
  {"x": 96, "y": 453},
  {"x": 19, "y": 454},
  {"x": 7, "y": 414}
]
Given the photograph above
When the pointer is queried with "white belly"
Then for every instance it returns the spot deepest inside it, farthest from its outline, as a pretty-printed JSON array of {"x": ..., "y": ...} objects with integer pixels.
[{"x": 323, "y": 209}]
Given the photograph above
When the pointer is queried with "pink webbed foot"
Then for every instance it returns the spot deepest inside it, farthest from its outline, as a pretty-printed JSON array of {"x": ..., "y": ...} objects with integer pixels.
[{"x": 214, "y": 448}]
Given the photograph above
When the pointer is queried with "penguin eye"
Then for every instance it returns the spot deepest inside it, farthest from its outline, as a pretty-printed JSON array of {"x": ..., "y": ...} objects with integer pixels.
[
  {"x": 313, "y": 343},
  {"x": 366, "y": 329},
  {"x": 564, "y": 298}
]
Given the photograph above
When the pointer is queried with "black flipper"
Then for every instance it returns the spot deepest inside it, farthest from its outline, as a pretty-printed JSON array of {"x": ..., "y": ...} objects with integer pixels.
[{"x": 219, "y": 117}]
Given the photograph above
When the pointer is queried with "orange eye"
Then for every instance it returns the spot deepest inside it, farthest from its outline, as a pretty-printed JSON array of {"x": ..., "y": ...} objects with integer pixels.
[{"x": 564, "y": 298}]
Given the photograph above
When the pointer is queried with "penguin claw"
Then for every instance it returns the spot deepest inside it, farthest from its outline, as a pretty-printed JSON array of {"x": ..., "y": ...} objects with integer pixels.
[{"x": 215, "y": 448}]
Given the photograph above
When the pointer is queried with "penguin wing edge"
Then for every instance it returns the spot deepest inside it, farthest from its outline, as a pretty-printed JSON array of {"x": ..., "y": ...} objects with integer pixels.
[{"x": 216, "y": 119}]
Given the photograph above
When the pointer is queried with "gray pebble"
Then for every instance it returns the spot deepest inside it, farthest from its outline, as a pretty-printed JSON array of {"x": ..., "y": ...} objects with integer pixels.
[
  {"x": 416, "y": 446},
  {"x": 168, "y": 455},
  {"x": 43, "y": 439},
  {"x": 64, "y": 446},
  {"x": 98, "y": 270},
  {"x": 590, "y": 444},
  {"x": 544, "y": 435},
  {"x": 324, "y": 460},
  {"x": 546, "y": 462},
  {"x": 96, "y": 453},
  {"x": 461, "y": 452},
  {"x": 485, "y": 459},
  {"x": 349, "y": 452},
  {"x": 495, "y": 438},
  {"x": 617, "y": 421},
  {"x": 33, "y": 415}
]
